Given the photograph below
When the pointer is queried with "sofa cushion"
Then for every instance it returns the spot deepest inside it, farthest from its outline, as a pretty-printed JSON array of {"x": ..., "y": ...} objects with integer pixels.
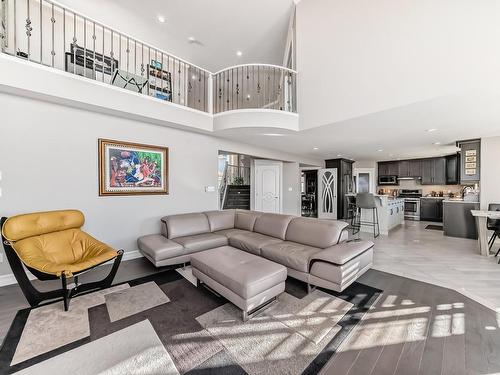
[
  {"x": 290, "y": 254},
  {"x": 186, "y": 225},
  {"x": 201, "y": 242},
  {"x": 245, "y": 219},
  {"x": 158, "y": 247},
  {"x": 342, "y": 253},
  {"x": 219, "y": 220},
  {"x": 251, "y": 241},
  {"x": 231, "y": 232},
  {"x": 244, "y": 274},
  {"x": 273, "y": 225},
  {"x": 315, "y": 232}
]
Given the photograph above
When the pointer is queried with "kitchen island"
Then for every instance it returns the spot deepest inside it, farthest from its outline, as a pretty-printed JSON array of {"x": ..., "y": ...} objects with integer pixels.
[
  {"x": 390, "y": 213},
  {"x": 458, "y": 220}
]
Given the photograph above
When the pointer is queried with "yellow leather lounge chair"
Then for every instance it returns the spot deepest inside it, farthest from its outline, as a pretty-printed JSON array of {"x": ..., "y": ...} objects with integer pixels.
[{"x": 52, "y": 246}]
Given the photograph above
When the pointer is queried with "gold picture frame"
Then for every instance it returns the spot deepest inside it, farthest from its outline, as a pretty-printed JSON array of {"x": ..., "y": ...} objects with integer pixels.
[{"x": 127, "y": 168}]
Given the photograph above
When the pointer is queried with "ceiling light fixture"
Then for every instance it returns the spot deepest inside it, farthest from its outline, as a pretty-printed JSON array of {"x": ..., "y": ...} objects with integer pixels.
[
  {"x": 436, "y": 143},
  {"x": 239, "y": 53},
  {"x": 191, "y": 39},
  {"x": 431, "y": 130},
  {"x": 315, "y": 148},
  {"x": 161, "y": 18},
  {"x": 380, "y": 150},
  {"x": 339, "y": 155}
]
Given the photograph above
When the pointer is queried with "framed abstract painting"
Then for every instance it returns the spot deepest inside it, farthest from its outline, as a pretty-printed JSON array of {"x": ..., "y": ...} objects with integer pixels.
[{"x": 132, "y": 169}]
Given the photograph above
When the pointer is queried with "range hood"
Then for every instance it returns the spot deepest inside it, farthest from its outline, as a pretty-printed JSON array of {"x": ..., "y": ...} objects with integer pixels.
[{"x": 409, "y": 178}]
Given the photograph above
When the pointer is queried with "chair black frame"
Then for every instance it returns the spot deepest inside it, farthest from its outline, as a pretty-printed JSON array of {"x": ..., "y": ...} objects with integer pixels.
[{"x": 35, "y": 297}]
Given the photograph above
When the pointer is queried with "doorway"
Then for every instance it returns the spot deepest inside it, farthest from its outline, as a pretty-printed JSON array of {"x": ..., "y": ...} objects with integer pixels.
[{"x": 268, "y": 181}]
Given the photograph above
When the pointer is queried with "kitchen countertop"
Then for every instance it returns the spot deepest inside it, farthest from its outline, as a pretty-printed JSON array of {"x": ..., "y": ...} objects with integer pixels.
[{"x": 459, "y": 201}]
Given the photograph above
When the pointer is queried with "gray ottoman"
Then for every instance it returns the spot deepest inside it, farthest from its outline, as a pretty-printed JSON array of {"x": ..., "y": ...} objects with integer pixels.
[{"x": 247, "y": 280}]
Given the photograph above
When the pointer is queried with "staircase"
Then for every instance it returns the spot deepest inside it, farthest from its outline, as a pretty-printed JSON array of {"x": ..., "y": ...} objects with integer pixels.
[{"x": 237, "y": 196}]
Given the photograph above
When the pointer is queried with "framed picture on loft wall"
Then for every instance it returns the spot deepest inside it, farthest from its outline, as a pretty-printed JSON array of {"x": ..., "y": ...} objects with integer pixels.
[{"x": 127, "y": 168}]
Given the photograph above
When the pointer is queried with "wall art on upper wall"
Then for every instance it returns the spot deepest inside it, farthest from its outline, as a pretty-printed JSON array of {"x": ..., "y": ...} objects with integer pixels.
[{"x": 132, "y": 169}]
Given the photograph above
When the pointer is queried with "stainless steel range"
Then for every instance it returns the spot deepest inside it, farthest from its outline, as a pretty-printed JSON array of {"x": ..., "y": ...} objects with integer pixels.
[{"x": 412, "y": 203}]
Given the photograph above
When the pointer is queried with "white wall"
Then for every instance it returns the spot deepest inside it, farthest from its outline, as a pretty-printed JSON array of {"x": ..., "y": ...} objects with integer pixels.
[
  {"x": 48, "y": 160},
  {"x": 490, "y": 171},
  {"x": 291, "y": 189},
  {"x": 357, "y": 57}
]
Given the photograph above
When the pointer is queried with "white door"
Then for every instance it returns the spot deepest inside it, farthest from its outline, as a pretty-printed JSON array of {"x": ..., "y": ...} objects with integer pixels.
[
  {"x": 268, "y": 188},
  {"x": 327, "y": 193}
]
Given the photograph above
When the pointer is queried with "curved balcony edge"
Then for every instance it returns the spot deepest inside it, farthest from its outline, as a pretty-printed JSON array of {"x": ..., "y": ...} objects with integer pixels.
[{"x": 256, "y": 118}]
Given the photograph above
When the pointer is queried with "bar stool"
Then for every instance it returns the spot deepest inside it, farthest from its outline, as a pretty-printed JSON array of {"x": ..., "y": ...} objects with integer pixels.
[
  {"x": 351, "y": 212},
  {"x": 366, "y": 201},
  {"x": 494, "y": 225}
]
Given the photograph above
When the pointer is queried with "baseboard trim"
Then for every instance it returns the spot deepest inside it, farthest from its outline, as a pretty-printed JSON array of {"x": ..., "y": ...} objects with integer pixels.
[{"x": 10, "y": 279}]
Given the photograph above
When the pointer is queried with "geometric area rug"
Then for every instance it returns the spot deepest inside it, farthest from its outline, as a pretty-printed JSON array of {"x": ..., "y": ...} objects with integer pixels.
[{"x": 163, "y": 324}]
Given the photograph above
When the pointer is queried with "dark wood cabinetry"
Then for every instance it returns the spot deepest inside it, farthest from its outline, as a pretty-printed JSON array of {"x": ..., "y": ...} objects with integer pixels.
[
  {"x": 453, "y": 169},
  {"x": 344, "y": 184},
  {"x": 432, "y": 171},
  {"x": 431, "y": 209},
  {"x": 388, "y": 168}
]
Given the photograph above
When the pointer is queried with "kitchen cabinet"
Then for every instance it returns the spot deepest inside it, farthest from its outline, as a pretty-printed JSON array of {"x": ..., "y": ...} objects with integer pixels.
[
  {"x": 453, "y": 169},
  {"x": 344, "y": 185},
  {"x": 470, "y": 161},
  {"x": 434, "y": 171},
  {"x": 410, "y": 168},
  {"x": 431, "y": 209},
  {"x": 388, "y": 168}
]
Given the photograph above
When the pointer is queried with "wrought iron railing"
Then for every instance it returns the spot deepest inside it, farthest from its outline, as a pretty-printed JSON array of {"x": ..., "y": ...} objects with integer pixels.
[
  {"x": 255, "y": 86},
  {"x": 48, "y": 33}
]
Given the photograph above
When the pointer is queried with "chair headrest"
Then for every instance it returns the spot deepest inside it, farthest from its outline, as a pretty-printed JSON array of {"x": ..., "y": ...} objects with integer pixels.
[{"x": 23, "y": 226}]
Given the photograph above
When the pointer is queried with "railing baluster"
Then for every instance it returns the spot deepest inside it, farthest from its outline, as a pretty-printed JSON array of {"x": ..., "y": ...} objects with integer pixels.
[
  {"x": 74, "y": 43},
  {"x": 64, "y": 37},
  {"x": 85, "y": 47},
  {"x": 41, "y": 31},
  {"x": 111, "y": 55},
  {"x": 28, "y": 28},
  {"x": 53, "y": 52},
  {"x": 93, "y": 49}
]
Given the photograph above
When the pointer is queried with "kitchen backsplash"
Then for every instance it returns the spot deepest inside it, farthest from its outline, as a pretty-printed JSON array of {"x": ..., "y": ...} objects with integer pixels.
[{"x": 426, "y": 189}]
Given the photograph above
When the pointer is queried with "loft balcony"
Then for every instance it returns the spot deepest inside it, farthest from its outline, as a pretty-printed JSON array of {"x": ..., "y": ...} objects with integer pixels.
[{"x": 72, "y": 59}]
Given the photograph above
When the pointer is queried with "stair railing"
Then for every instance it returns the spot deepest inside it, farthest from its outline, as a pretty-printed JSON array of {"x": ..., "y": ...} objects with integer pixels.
[{"x": 232, "y": 175}]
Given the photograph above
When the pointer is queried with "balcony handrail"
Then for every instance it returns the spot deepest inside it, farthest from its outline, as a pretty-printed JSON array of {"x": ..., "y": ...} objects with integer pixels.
[
  {"x": 101, "y": 24},
  {"x": 94, "y": 50},
  {"x": 256, "y": 64}
]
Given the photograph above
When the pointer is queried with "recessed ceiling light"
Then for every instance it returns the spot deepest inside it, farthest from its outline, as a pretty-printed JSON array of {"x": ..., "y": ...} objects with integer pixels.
[
  {"x": 431, "y": 130},
  {"x": 239, "y": 53},
  {"x": 436, "y": 143},
  {"x": 193, "y": 77},
  {"x": 339, "y": 155},
  {"x": 191, "y": 39},
  {"x": 315, "y": 148},
  {"x": 161, "y": 18},
  {"x": 380, "y": 150}
]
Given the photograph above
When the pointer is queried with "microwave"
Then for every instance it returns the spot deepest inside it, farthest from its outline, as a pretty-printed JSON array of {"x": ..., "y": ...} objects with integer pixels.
[{"x": 388, "y": 180}]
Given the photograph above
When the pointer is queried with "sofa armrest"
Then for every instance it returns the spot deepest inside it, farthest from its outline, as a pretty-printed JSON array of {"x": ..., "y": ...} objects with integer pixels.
[
  {"x": 342, "y": 253},
  {"x": 158, "y": 247}
]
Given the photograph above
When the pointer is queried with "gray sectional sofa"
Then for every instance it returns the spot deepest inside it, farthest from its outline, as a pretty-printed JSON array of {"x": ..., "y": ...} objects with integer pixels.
[{"x": 314, "y": 251}]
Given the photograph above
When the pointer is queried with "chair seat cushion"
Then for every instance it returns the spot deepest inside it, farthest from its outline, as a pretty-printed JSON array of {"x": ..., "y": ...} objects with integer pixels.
[
  {"x": 290, "y": 254},
  {"x": 244, "y": 274},
  {"x": 231, "y": 232},
  {"x": 251, "y": 241},
  {"x": 68, "y": 251},
  {"x": 201, "y": 242}
]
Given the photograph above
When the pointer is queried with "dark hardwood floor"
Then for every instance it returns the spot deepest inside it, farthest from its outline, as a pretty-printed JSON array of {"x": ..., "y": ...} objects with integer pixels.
[{"x": 420, "y": 328}]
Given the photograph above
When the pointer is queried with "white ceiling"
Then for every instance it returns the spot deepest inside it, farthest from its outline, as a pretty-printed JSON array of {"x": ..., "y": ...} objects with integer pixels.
[
  {"x": 400, "y": 132},
  {"x": 257, "y": 28}
]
